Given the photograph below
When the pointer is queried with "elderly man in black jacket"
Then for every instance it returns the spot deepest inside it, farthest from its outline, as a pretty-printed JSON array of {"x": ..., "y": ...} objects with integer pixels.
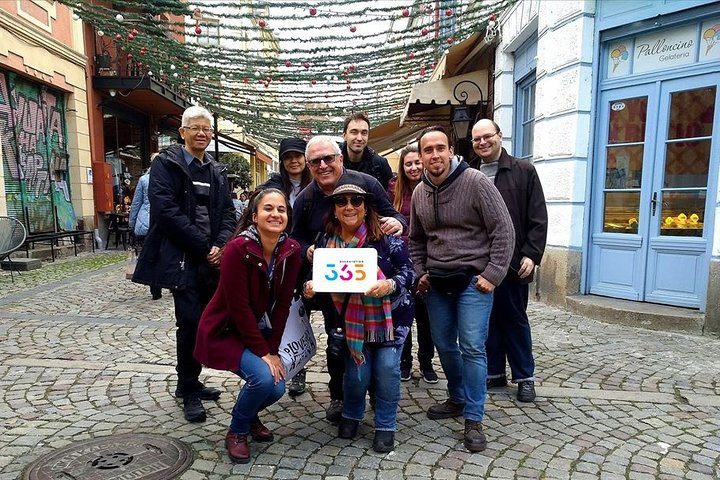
[
  {"x": 509, "y": 336},
  {"x": 327, "y": 168},
  {"x": 191, "y": 218}
]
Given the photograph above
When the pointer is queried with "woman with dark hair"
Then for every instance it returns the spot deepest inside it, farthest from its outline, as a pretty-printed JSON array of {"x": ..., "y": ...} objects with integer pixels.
[
  {"x": 294, "y": 174},
  {"x": 241, "y": 328},
  {"x": 371, "y": 326},
  {"x": 400, "y": 192}
]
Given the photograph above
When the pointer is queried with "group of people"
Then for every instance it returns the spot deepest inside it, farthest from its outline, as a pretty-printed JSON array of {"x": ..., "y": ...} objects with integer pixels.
[{"x": 449, "y": 239}]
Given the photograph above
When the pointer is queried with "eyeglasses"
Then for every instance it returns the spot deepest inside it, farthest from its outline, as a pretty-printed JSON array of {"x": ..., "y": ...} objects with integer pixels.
[
  {"x": 195, "y": 129},
  {"x": 485, "y": 138},
  {"x": 355, "y": 200},
  {"x": 328, "y": 159}
]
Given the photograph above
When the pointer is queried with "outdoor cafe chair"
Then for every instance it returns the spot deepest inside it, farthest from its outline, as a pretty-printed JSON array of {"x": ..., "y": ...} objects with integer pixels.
[{"x": 12, "y": 237}]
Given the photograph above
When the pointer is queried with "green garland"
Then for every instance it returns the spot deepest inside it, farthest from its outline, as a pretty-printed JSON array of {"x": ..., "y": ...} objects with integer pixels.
[{"x": 245, "y": 79}]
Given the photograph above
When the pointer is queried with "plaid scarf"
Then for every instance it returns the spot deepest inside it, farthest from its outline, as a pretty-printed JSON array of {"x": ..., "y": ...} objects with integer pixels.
[{"x": 367, "y": 319}]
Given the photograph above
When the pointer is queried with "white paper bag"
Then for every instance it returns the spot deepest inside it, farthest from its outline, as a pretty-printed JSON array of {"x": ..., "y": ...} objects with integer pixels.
[{"x": 298, "y": 343}]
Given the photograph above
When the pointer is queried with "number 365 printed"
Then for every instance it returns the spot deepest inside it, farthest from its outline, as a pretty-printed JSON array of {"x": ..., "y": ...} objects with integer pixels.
[{"x": 346, "y": 272}]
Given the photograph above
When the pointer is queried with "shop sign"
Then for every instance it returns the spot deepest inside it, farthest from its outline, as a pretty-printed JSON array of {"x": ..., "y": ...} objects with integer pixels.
[
  {"x": 666, "y": 49},
  {"x": 710, "y": 40}
]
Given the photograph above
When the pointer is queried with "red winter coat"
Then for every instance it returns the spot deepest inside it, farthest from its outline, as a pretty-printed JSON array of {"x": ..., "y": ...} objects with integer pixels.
[{"x": 229, "y": 323}]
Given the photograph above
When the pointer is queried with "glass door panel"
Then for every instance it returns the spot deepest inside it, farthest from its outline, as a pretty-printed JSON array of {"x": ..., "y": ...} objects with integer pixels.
[
  {"x": 624, "y": 164},
  {"x": 687, "y": 162}
]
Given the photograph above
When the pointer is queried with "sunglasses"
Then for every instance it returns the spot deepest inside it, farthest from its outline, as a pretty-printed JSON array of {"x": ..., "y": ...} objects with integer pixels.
[
  {"x": 355, "y": 201},
  {"x": 328, "y": 159}
]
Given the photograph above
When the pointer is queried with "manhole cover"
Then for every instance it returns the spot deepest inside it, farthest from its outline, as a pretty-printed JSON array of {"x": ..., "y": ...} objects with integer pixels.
[{"x": 117, "y": 457}]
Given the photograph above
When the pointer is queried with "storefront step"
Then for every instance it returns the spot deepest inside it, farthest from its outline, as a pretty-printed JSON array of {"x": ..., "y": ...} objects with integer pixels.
[{"x": 637, "y": 314}]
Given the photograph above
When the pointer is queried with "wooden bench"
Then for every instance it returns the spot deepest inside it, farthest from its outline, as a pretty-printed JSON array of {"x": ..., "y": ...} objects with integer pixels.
[{"x": 52, "y": 239}]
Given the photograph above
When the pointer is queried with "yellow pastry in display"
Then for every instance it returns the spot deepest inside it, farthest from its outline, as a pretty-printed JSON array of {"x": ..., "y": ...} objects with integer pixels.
[
  {"x": 682, "y": 217},
  {"x": 669, "y": 221},
  {"x": 694, "y": 218},
  {"x": 632, "y": 222}
]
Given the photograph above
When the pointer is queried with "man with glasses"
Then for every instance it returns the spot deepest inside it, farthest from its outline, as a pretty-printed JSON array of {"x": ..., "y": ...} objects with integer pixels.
[
  {"x": 509, "y": 336},
  {"x": 191, "y": 218},
  {"x": 461, "y": 240},
  {"x": 311, "y": 207},
  {"x": 360, "y": 157}
]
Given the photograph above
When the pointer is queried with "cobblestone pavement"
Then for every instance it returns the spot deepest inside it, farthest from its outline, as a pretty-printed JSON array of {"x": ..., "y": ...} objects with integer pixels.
[{"x": 85, "y": 353}]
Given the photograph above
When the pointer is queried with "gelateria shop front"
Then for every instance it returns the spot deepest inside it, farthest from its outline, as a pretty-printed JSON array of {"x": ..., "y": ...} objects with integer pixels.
[{"x": 656, "y": 152}]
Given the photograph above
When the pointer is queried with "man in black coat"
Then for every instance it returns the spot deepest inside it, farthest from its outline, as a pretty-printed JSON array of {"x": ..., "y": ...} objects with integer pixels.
[
  {"x": 509, "y": 335},
  {"x": 312, "y": 205},
  {"x": 191, "y": 218},
  {"x": 357, "y": 155}
]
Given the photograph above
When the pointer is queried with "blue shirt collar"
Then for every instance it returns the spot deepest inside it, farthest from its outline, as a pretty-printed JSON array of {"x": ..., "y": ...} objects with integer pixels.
[{"x": 189, "y": 157}]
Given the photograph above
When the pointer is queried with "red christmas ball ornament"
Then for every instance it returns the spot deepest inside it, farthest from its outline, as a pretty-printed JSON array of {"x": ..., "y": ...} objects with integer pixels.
[
  {"x": 185, "y": 66},
  {"x": 450, "y": 40},
  {"x": 352, "y": 67},
  {"x": 262, "y": 23},
  {"x": 411, "y": 55},
  {"x": 130, "y": 36},
  {"x": 406, "y": 12},
  {"x": 306, "y": 65},
  {"x": 313, "y": 81},
  {"x": 288, "y": 64},
  {"x": 424, "y": 31},
  {"x": 118, "y": 37},
  {"x": 198, "y": 30},
  {"x": 493, "y": 17},
  {"x": 281, "y": 79},
  {"x": 349, "y": 81},
  {"x": 422, "y": 72},
  {"x": 313, "y": 11},
  {"x": 143, "y": 51},
  {"x": 246, "y": 80},
  {"x": 135, "y": 31},
  {"x": 347, "y": 87},
  {"x": 353, "y": 29},
  {"x": 448, "y": 12},
  {"x": 129, "y": 56}
]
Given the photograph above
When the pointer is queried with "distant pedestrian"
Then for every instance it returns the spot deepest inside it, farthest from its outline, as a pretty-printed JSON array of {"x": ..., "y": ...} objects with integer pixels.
[
  {"x": 139, "y": 220},
  {"x": 192, "y": 217},
  {"x": 400, "y": 193},
  {"x": 241, "y": 328},
  {"x": 461, "y": 241},
  {"x": 509, "y": 336}
]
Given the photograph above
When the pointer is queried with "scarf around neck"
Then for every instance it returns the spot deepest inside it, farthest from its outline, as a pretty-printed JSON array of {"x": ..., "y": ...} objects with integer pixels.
[{"x": 367, "y": 319}]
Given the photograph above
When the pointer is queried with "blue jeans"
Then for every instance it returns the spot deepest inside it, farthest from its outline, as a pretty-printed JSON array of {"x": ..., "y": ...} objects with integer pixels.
[
  {"x": 382, "y": 367},
  {"x": 258, "y": 393},
  {"x": 459, "y": 326}
]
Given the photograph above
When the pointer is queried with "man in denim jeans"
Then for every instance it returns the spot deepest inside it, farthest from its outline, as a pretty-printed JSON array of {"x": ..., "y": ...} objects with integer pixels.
[{"x": 459, "y": 222}]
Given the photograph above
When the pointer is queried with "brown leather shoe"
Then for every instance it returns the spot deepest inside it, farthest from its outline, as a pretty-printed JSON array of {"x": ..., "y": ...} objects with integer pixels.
[
  {"x": 237, "y": 447},
  {"x": 474, "y": 439},
  {"x": 446, "y": 409},
  {"x": 260, "y": 433}
]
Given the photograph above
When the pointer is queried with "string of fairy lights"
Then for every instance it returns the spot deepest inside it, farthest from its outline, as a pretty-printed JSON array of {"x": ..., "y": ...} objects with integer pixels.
[{"x": 277, "y": 68}]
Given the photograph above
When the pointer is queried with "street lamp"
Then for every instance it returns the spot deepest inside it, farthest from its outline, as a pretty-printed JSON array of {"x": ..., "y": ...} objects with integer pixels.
[{"x": 461, "y": 122}]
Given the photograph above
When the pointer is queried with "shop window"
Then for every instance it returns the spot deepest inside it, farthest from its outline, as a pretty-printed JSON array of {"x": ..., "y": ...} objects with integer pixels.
[
  {"x": 125, "y": 149},
  {"x": 525, "y": 117}
]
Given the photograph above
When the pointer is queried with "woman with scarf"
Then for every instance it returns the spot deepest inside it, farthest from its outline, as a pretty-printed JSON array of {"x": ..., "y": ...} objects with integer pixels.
[
  {"x": 374, "y": 324},
  {"x": 241, "y": 328}
]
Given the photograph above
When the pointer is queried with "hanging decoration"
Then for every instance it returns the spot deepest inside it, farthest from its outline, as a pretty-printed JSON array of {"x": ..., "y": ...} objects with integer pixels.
[{"x": 310, "y": 63}]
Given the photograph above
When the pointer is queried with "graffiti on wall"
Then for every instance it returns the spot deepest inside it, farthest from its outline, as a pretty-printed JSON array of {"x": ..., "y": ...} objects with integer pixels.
[{"x": 32, "y": 127}]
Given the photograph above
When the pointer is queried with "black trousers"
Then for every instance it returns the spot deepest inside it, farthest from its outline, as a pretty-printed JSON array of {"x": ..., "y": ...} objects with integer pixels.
[
  {"x": 509, "y": 336},
  {"x": 139, "y": 241},
  {"x": 426, "y": 347},
  {"x": 189, "y": 305}
]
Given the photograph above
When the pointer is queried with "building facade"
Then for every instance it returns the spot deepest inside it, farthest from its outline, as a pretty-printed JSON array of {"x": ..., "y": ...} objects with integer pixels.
[
  {"x": 616, "y": 103},
  {"x": 46, "y": 177}
]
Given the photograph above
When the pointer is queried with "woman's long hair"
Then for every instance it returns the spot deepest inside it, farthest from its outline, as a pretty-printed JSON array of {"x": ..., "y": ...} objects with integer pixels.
[
  {"x": 332, "y": 224},
  {"x": 253, "y": 203},
  {"x": 305, "y": 179},
  {"x": 402, "y": 184}
]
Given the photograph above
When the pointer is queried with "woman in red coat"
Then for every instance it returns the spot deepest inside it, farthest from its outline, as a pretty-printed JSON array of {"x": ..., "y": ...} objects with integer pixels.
[{"x": 241, "y": 328}]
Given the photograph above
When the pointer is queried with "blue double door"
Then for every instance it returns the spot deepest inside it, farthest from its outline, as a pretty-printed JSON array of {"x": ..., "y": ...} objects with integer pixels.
[{"x": 654, "y": 191}]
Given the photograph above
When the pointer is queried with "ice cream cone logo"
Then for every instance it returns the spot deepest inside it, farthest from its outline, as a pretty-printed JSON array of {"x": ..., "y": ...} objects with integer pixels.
[
  {"x": 711, "y": 37},
  {"x": 619, "y": 54}
]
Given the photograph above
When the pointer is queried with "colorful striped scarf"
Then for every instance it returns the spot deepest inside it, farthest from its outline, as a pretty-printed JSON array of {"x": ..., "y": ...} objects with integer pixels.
[{"x": 367, "y": 319}]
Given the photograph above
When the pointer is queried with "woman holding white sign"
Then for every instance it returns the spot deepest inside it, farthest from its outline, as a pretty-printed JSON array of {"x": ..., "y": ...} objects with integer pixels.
[
  {"x": 372, "y": 325},
  {"x": 241, "y": 328}
]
